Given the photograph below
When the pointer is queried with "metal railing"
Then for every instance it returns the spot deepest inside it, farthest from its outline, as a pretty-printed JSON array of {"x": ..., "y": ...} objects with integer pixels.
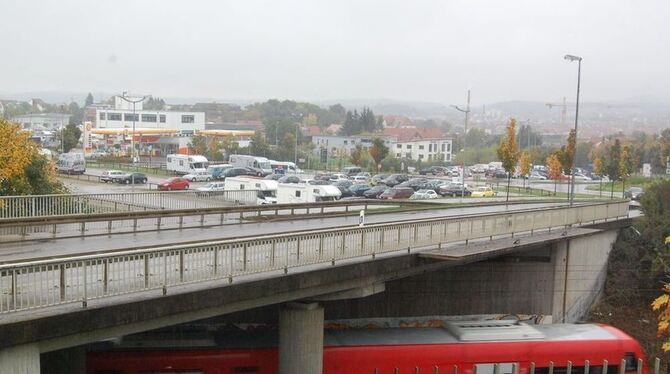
[
  {"x": 69, "y": 204},
  {"x": 38, "y": 284},
  {"x": 39, "y": 228}
]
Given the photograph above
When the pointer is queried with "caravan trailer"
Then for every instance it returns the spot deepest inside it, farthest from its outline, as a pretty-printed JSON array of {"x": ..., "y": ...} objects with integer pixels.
[{"x": 186, "y": 164}]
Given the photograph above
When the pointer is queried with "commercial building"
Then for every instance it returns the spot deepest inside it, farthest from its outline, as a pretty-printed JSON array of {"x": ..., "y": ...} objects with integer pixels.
[
  {"x": 343, "y": 145},
  {"x": 423, "y": 149},
  {"x": 121, "y": 116},
  {"x": 43, "y": 121}
]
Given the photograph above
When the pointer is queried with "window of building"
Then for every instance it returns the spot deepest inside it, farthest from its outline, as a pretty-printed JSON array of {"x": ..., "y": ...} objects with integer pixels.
[
  {"x": 398, "y": 155},
  {"x": 443, "y": 157},
  {"x": 346, "y": 142},
  {"x": 448, "y": 156},
  {"x": 148, "y": 118},
  {"x": 430, "y": 157},
  {"x": 131, "y": 117},
  {"x": 409, "y": 146},
  {"x": 187, "y": 119},
  {"x": 398, "y": 146},
  {"x": 443, "y": 147},
  {"x": 102, "y": 115},
  {"x": 420, "y": 157},
  {"x": 421, "y": 147},
  {"x": 162, "y": 118},
  {"x": 297, "y": 193},
  {"x": 448, "y": 147},
  {"x": 114, "y": 116},
  {"x": 408, "y": 155}
]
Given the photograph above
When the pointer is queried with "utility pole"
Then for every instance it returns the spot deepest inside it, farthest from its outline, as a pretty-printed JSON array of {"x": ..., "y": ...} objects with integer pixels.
[
  {"x": 132, "y": 139},
  {"x": 572, "y": 58},
  {"x": 465, "y": 136}
]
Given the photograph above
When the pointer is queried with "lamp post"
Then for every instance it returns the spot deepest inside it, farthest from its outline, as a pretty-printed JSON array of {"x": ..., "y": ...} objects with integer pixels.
[
  {"x": 132, "y": 139},
  {"x": 572, "y": 58},
  {"x": 465, "y": 136}
]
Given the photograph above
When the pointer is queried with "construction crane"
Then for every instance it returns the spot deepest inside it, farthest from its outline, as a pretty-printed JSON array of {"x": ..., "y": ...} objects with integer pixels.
[{"x": 564, "y": 109}]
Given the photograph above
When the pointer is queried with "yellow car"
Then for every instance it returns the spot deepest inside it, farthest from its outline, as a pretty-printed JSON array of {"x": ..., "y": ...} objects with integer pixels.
[{"x": 483, "y": 192}]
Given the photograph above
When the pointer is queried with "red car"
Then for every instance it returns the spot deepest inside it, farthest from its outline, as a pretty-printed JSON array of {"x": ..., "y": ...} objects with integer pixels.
[
  {"x": 172, "y": 184},
  {"x": 397, "y": 193}
]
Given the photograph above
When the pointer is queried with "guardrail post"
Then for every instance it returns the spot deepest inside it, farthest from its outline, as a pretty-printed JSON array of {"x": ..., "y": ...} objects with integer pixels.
[
  {"x": 181, "y": 221},
  {"x": 84, "y": 301},
  {"x": 62, "y": 282},
  {"x": 83, "y": 228},
  {"x": 13, "y": 291},
  {"x": 344, "y": 243},
  {"x": 181, "y": 265},
  {"x": 216, "y": 260},
  {"x": 244, "y": 257},
  {"x": 146, "y": 270},
  {"x": 105, "y": 276}
]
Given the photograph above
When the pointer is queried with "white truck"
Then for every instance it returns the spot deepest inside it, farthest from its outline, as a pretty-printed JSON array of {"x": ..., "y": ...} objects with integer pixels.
[
  {"x": 186, "y": 164},
  {"x": 267, "y": 189},
  {"x": 255, "y": 162},
  {"x": 291, "y": 193},
  {"x": 284, "y": 167},
  {"x": 71, "y": 163}
]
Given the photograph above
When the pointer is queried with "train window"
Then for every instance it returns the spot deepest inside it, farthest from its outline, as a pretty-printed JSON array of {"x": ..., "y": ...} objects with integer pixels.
[
  {"x": 246, "y": 369},
  {"x": 578, "y": 370},
  {"x": 504, "y": 368}
]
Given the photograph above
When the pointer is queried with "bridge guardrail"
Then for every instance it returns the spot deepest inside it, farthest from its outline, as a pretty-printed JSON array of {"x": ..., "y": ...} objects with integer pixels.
[
  {"x": 72, "y": 279},
  {"x": 69, "y": 204}
]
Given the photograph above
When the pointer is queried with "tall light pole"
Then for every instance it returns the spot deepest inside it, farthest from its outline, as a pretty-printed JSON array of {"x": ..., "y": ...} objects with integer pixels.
[
  {"x": 132, "y": 139},
  {"x": 465, "y": 136},
  {"x": 572, "y": 58}
]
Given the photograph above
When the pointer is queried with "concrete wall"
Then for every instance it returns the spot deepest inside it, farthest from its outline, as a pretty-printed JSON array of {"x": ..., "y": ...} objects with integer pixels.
[{"x": 584, "y": 260}]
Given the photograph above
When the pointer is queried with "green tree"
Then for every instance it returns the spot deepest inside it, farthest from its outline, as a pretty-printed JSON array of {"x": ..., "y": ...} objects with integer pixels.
[
  {"x": 508, "y": 152},
  {"x": 378, "y": 151},
  {"x": 69, "y": 137},
  {"x": 259, "y": 147},
  {"x": 613, "y": 164},
  {"x": 89, "y": 99},
  {"x": 199, "y": 145},
  {"x": 598, "y": 170},
  {"x": 567, "y": 154},
  {"x": 624, "y": 165},
  {"x": 528, "y": 137}
]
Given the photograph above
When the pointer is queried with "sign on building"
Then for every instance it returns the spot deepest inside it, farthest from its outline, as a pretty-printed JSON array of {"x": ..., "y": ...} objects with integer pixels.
[{"x": 88, "y": 143}]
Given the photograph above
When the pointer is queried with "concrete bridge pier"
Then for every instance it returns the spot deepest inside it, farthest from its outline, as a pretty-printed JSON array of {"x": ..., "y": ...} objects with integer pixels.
[
  {"x": 20, "y": 359},
  {"x": 301, "y": 338}
]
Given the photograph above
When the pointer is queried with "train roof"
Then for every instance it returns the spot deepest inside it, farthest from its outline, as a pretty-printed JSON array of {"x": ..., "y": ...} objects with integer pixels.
[{"x": 487, "y": 331}]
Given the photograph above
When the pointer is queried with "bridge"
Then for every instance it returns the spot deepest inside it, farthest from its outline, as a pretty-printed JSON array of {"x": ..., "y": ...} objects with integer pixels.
[{"x": 99, "y": 271}]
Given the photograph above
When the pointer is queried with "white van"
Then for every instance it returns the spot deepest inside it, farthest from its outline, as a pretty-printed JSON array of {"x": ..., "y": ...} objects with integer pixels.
[
  {"x": 284, "y": 167},
  {"x": 291, "y": 193},
  {"x": 267, "y": 189},
  {"x": 186, "y": 164}
]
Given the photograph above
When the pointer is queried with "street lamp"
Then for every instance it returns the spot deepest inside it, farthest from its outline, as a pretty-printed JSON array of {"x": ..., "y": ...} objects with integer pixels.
[
  {"x": 132, "y": 139},
  {"x": 572, "y": 58},
  {"x": 465, "y": 135}
]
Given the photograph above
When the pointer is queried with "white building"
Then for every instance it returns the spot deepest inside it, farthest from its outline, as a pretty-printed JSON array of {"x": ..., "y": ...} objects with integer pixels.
[
  {"x": 43, "y": 121},
  {"x": 121, "y": 116},
  {"x": 423, "y": 149},
  {"x": 343, "y": 145}
]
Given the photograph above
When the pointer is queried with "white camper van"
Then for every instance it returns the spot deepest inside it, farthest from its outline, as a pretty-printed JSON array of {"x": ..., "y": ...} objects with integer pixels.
[
  {"x": 186, "y": 164},
  {"x": 243, "y": 161},
  {"x": 291, "y": 193},
  {"x": 71, "y": 163},
  {"x": 267, "y": 189}
]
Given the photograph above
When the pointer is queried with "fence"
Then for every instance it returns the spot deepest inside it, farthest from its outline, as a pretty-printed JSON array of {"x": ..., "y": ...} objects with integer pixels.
[
  {"x": 73, "y": 279},
  {"x": 69, "y": 204}
]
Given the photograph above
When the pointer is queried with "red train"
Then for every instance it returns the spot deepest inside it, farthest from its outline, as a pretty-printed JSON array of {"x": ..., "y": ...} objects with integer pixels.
[{"x": 465, "y": 346}]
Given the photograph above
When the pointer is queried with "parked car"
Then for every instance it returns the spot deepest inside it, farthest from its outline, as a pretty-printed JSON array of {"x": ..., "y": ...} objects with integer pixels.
[
  {"x": 537, "y": 176},
  {"x": 377, "y": 179},
  {"x": 483, "y": 192},
  {"x": 273, "y": 177},
  {"x": 315, "y": 182},
  {"x": 434, "y": 170},
  {"x": 496, "y": 173},
  {"x": 289, "y": 179},
  {"x": 112, "y": 175},
  {"x": 433, "y": 184},
  {"x": 633, "y": 193},
  {"x": 338, "y": 177},
  {"x": 174, "y": 183},
  {"x": 397, "y": 193},
  {"x": 323, "y": 176},
  {"x": 375, "y": 191},
  {"x": 199, "y": 176},
  {"x": 359, "y": 179},
  {"x": 359, "y": 189},
  {"x": 424, "y": 195},
  {"x": 137, "y": 178},
  {"x": 395, "y": 179},
  {"x": 210, "y": 187},
  {"x": 343, "y": 186},
  {"x": 364, "y": 174},
  {"x": 582, "y": 177},
  {"x": 236, "y": 172},
  {"x": 350, "y": 171},
  {"x": 454, "y": 189}
]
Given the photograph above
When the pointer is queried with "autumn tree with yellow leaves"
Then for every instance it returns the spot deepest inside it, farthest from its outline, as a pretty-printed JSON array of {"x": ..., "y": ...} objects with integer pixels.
[
  {"x": 524, "y": 166},
  {"x": 23, "y": 170},
  {"x": 508, "y": 152},
  {"x": 555, "y": 168}
]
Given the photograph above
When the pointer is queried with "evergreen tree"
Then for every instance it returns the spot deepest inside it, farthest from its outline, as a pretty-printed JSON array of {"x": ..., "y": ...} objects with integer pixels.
[{"x": 89, "y": 99}]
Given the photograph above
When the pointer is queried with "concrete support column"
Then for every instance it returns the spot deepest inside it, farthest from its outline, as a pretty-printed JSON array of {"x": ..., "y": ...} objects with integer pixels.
[
  {"x": 301, "y": 338},
  {"x": 20, "y": 359}
]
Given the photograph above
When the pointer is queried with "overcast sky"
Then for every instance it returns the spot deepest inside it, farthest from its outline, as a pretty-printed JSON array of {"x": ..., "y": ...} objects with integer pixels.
[{"x": 321, "y": 50}]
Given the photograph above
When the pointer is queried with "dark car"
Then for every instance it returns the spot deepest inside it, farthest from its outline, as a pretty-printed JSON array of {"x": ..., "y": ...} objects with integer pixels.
[
  {"x": 633, "y": 193},
  {"x": 359, "y": 189},
  {"x": 350, "y": 171},
  {"x": 395, "y": 179},
  {"x": 416, "y": 183},
  {"x": 375, "y": 191},
  {"x": 273, "y": 177},
  {"x": 236, "y": 172},
  {"x": 397, "y": 193},
  {"x": 172, "y": 184},
  {"x": 496, "y": 173},
  {"x": 433, "y": 184},
  {"x": 133, "y": 178},
  {"x": 378, "y": 179},
  {"x": 289, "y": 179},
  {"x": 323, "y": 176},
  {"x": 434, "y": 170},
  {"x": 453, "y": 189},
  {"x": 343, "y": 186}
]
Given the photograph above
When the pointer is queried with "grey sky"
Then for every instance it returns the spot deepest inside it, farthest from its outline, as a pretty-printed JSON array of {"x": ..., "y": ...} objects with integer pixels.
[{"x": 320, "y": 50}]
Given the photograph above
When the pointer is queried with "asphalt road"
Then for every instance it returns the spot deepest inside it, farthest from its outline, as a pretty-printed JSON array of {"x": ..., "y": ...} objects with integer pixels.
[{"x": 71, "y": 246}]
